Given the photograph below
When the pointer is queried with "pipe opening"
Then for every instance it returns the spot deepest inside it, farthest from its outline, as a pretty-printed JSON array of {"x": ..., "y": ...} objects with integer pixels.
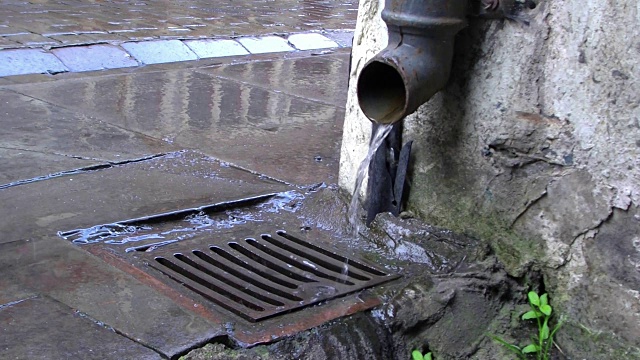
[{"x": 381, "y": 93}]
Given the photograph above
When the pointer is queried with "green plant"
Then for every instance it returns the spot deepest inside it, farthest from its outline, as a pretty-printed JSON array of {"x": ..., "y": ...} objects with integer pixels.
[
  {"x": 541, "y": 311},
  {"x": 417, "y": 355}
]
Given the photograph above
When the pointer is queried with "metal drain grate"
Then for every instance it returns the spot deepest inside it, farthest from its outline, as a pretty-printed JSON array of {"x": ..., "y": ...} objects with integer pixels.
[{"x": 268, "y": 276}]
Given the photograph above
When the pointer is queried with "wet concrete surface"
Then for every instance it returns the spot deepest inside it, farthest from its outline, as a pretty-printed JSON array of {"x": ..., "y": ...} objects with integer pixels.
[
  {"x": 80, "y": 150},
  {"x": 60, "y": 36},
  {"x": 106, "y": 296},
  {"x": 74, "y": 22},
  {"x": 253, "y": 114},
  {"x": 40, "y": 164},
  {"x": 31, "y": 124},
  {"x": 270, "y": 75},
  {"x": 145, "y": 187},
  {"x": 51, "y": 330},
  {"x": 88, "y": 57}
]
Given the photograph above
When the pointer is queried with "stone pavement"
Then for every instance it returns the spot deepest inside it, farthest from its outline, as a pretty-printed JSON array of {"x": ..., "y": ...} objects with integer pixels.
[
  {"x": 79, "y": 149},
  {"x": 76, "y": 22},
  {"x": 82, "y": 149},
  {"x": 56, "y": 36}
]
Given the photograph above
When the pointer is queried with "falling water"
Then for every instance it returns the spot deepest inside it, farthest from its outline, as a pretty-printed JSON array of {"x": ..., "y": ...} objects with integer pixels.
[{"x": 379, "y": 136}]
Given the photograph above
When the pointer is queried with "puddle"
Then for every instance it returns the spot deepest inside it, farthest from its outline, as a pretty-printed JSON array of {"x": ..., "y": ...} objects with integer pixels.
[{"x": 159, "y": 230}]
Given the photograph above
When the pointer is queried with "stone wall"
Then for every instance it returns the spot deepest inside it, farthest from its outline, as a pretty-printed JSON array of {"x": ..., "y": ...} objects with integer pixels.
[{"x": 534, "y": 146}]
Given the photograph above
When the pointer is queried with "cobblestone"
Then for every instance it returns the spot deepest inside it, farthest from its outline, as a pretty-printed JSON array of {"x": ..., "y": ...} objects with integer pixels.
[
  {"x": 28, "y": 61},
  {"x": 42, "y": 23},
  {"x": 148, "y": 32}
]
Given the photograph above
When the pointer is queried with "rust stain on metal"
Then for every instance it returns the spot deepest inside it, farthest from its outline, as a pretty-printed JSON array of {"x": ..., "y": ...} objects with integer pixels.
[
  {"x": 316, "y": 317},
  {"x": 266, "y": 276}
]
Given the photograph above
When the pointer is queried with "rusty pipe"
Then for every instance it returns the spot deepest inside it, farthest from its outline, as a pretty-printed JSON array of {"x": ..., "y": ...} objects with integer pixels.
[{"x": 417, "y": 60}]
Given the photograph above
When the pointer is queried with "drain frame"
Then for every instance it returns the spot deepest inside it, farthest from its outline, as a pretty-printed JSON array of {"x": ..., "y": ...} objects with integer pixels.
[
  {"x": 287, "y": 274},
  {"x": 263, "y": 214}
]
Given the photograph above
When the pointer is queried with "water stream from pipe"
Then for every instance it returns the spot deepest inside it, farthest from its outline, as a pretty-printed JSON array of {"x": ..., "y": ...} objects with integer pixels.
[{"x": 379, "y": 136}]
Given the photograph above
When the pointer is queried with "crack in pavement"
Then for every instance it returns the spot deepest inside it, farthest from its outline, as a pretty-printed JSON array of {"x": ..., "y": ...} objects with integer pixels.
[{"x": 81, "y": 170}]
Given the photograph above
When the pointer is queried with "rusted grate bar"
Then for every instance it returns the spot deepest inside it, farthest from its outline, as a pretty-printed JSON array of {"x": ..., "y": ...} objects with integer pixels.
[{"x": 259, "y": 278}]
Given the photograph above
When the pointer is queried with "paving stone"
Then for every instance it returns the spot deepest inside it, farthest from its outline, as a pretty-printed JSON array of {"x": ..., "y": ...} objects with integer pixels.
[
  {"x": 41, "y": 328},
  {"x": 227, "y": 18},
  {"x": 34, "y": 125},
  {"x": 9, "y": 31},
  {"x": 216, "y": 48},
  {"x": 6, "y": 43},
  {"x": 266, "y": 44},
  {"x": 28, "y": 61},
  {"x": 12, "y": 292},
  {"x": 161, "y": 51},
  {"x": 73, "y": 39},
  {"x": 106, "y": 37},
  {"x": 94, "y": 57},
  {"x": 297, "y": 77},
  {"x": 38, "y": 164},
  {"x": 311, "y": 41},
  {"x": 34, "y": 40},
  {"x": 131, "y": 190},
  {"x": 343, "y": 38},
  {"x": 252, "y": 126}
]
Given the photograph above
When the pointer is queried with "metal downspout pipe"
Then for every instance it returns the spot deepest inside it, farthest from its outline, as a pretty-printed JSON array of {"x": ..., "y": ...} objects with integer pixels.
[
  {"x": 413, "y": 67},
  {"x": 417, "y": 60}
]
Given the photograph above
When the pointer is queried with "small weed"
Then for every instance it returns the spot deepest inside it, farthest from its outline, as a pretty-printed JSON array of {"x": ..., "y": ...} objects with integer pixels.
[
  {"x": 417, "y": 355},
  {"x": 541, "y": 343}
]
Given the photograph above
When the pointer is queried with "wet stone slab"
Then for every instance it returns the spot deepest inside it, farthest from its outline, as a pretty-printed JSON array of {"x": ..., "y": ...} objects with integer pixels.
[
  {"x": 95, "y": 57},
  {"x": 161, "y": 51},
  {"x": 162, "y": 184},
  {"x": 342, "y": 38},
  {"x": 38, "y": 126},
  {"x": 266, "y": 44},
  {"x": 216, "y": 48},
  {"x": 320, "y": 78},
  {"x": 311, "y": 41},
  {"x": 28, "y": 61},
  {"x": 40, "y": 328},
  {"x": 289, "y": 110},
  {"x": 21, "y": 165},
  {"x": 86, "y": 292},
  {"x": 40, "y": 22}
]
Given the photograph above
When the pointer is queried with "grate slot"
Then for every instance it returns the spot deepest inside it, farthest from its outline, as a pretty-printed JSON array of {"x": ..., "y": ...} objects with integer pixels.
[
  {"x": 269, "y": 264},
  {"x": 340, "y": 258},
  {"x": 227, "y": 256},
  {"x": 293, "y": 262},
  {"x": 237, "y": 305},
  {"x": 220, "y": 265},
  {"x": 321, "y": 260},
  {"x": 260, "y": 278},
  {"x": 246, "y": 289}
]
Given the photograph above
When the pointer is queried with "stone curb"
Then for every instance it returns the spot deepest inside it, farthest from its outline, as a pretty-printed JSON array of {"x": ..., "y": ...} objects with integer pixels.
[{"x": 103, "y": 56}]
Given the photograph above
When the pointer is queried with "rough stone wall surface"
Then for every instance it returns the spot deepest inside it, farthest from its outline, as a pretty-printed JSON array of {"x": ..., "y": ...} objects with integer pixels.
[
  {"x": 534, "y": 146},
  {"x": 369, "y": 38}
]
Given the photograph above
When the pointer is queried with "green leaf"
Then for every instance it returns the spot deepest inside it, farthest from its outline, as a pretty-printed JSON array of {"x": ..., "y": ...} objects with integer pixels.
[
  {"x": 544, "y": 332},
  {"x": 428, "y": 356},
  {"x": 533, "y": 298},
  {"x": 531, "y": 348},
  {"x": 545, "y": 309},
  {"x": 417, "y": 355},
  {"x": 558, "y": 326},
  {"x": 531, "y": 314},
  {"x": 544, "y": 299},
  {"x": 514, "y": 349}
]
